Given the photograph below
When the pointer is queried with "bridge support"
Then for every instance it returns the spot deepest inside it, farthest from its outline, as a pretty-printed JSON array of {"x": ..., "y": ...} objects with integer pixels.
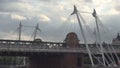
[
  {"x": 61, "y": 60},
  {"x": 45, "y": 61},
  {"x": 80, "y": 61},
  {"x": 73, "y": 60}
]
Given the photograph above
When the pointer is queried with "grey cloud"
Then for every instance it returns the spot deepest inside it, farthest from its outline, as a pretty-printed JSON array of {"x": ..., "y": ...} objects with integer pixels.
[
  {"x": 54, "y": 30},
  {"x": 48, "y": 0},
  {"x": 9, "y": 1},
  {"x": 8, "y": 8},
  {"x": 117, "y": 8},
  {"x": 116, "y": 5},
  {"x": 112, "y": 24},
  {"x": 45, "y": 0},
  {"x": 89, "y": 1}
]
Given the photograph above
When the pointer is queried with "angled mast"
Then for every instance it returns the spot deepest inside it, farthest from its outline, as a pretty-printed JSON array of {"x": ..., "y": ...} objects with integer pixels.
[
  {"x": 36, "y": 30},
  {"x": 20, "y": 30},
  {"x": 84, "y": 38},
  {"x": 99, "y": 37}
]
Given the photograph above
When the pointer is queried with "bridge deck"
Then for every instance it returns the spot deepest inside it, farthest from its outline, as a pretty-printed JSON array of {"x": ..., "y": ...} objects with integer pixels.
[{"x": 54, "y": 47}]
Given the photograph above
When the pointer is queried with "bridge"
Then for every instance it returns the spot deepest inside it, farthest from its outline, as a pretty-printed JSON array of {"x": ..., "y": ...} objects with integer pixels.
[
  {"x": 64, "y": 54},
  {"x": 13, "y": 46}
]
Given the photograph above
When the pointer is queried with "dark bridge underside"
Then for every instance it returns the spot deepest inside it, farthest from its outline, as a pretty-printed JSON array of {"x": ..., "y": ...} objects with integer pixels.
[{"x": 27, "y": 54}]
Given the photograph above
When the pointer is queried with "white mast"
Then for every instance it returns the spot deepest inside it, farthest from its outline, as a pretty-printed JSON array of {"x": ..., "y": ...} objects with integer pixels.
[
  {"x": 84, "y": 38},
  {"x": 96, "y": 41},
  {"x": 20, "y": 28},
  {"x": 99, "y": 38},
  {"x": 20, "y": 31},
  {"x": 37, "y": 28}
]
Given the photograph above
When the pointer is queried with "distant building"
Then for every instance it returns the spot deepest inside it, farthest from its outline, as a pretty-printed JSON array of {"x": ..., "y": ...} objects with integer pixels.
[{"x": 116, "y": 41}]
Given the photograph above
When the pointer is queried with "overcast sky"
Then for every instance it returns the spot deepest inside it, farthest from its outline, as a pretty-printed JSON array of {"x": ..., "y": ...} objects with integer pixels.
[{"x": 55, "y": 20}]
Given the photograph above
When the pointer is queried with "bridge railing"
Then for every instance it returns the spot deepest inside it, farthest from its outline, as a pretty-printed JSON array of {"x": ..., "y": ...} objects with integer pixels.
[{"x": 31, "y": 46}]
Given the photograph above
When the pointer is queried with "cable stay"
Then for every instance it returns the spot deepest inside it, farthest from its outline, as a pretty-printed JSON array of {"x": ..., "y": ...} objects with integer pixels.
[
  {"x": 21, "y": 60},
  {"x": 28, "y": 26},
  {"x": 112, "y": 49},
  {"x": 103, "y": 27},
  {"x": 98, "y": 59},
  {"x": 111, "y": 58},
  {"x": 103, "y": 51},
  {"x": 71, "y": 25},
  {"x": 118, "y": 59},
  {"x": 114, "y": 62},
  {"x": 100, "y": 42},
  {"x": 87, "y": 27},
  {"x": 85, "y": 12},
  {"x": 96, "y": 44},
  {"x": 99, "y": 38}
]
